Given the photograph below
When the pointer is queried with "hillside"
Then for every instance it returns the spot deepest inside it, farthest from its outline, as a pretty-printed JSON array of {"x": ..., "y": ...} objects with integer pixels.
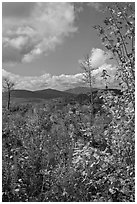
[
  {"x": 80, "y": 90},
  {"x": 51, "y": 93},
  {"x": 40, "y": 94},
  {"x": 85, "y": 90}
]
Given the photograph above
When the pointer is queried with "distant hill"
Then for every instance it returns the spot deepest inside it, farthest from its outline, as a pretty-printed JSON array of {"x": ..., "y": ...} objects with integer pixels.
[
  {"x": 85, "y": 90},
  {"x": 52, "y": 93},
  {"x": 80, "y": 90},
  {"x": 25, "y": 95},
  {"x": 21, "y": 94}
]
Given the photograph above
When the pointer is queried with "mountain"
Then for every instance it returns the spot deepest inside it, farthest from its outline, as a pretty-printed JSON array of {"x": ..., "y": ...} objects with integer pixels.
[
  {"x": 21, "y": 94},
  {"x": 40, "y": 94},
  {"x": 85, "y": 90},
  {"x": 25, "y": 96},
  {"x": 80, "y": 90},
  {"x": 52, "y": 93}
]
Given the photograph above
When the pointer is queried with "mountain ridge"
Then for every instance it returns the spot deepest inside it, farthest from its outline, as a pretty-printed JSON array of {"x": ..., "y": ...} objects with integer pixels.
[
  {"x": 43, "y": 94},
  {"x": 48, "y": 93},
  {"x": 81, "y": 90}
]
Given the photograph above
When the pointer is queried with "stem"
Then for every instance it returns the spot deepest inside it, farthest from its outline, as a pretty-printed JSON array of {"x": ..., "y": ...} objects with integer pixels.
[
  {"x": 120, "y": 34},
  {"x": 8, "y": 99}
]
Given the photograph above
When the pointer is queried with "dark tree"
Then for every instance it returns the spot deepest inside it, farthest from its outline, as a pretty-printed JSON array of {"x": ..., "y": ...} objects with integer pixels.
[{"x": 8, "y": 85}]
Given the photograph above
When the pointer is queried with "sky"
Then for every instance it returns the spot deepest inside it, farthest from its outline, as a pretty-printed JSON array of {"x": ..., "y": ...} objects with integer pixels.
[{"x": 43, "y": 43}]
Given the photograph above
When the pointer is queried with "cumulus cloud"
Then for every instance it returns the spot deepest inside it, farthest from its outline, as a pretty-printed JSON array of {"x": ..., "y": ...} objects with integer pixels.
[
  {"x": 60, "y": 82},
  {"x": 18, "y": 42},
  {"x": 44, "y": 81},
  {"x": 98, "y": 57},
  {"x": 98, "y": 62},
  {"x": 45, "y": 26}
]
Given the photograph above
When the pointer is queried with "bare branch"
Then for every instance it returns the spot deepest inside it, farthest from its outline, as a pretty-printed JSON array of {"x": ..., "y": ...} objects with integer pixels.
[{"x": 8, "y": 85}]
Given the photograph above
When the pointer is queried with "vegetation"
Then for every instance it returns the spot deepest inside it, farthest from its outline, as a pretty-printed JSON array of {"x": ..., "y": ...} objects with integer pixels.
[
  {"x": 48, "y": 154},
  {"x": 89, "y": 79},
  {"x": 8, "y": 86}
]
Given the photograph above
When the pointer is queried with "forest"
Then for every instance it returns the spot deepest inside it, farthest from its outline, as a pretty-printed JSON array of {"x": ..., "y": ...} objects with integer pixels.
[{"x": 76, "y": 149}]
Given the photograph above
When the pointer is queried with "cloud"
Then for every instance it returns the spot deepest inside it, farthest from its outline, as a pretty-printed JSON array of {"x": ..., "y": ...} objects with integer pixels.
[
  {"x": 61, "y": 82},
  {"x": 98, "y": 57},
  {"x": 98, "y": 62},
  {"x": 46, "y": 80},
  {"x": 40, "y": 31},
  {"x": 18, "y": 42}
]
